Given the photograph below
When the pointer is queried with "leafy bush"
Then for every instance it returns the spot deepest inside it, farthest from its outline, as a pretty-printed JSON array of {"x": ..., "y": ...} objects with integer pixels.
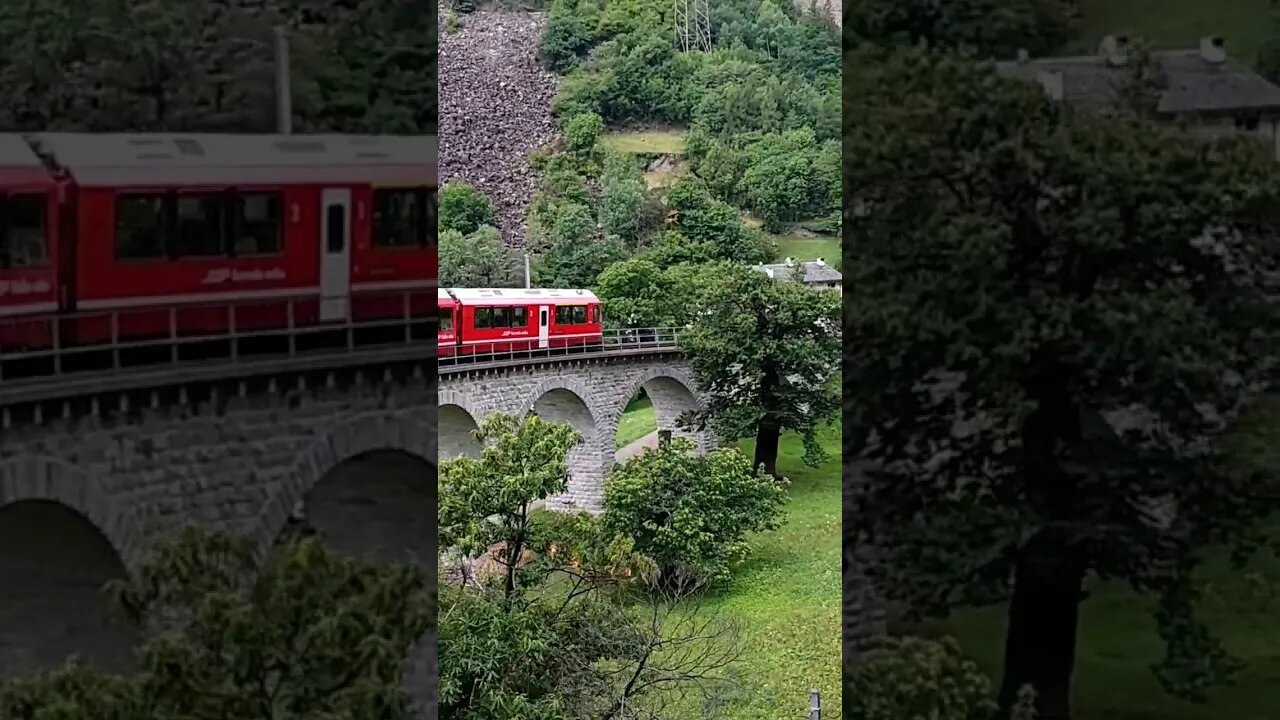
[
  {"x": 463, "y": 208},
  {"x": 692, "y": 513},
  {"x": 476, "y": 260},
  {"x": 916, "y": 678},
  {"x": 704, "y": 219},
  {"x": 564, "y": 40},
  {"x": 582, "y": 132},
  {"x": 622, "y": 197}
]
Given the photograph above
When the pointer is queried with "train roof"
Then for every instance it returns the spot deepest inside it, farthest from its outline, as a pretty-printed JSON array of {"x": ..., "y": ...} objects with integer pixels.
[
  {"x": 19, "y": 165},
  {"x": 168, "y": 159},
  {"x": 444, "y": 295},
  {"x": 490, "y": 296}
]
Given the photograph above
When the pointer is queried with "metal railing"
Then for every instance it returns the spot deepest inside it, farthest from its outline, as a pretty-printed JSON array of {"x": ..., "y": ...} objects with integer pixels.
[
  {"x": 618, "y": 341},
  {"x": 50, "y": 346}
]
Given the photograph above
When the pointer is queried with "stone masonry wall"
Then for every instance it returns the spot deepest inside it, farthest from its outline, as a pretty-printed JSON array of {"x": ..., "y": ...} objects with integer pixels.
[
  {"x": 589, "y": 395},
  {"x": 240, "y": 457}
]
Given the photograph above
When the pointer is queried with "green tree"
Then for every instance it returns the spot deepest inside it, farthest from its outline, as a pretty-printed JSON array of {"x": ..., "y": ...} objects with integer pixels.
[
  {"x": 587, "y": 645},
  {"x": 692, "y": 513},
  {"x": 463, "y": 209},
  {"x": 703, "y": 219},
  {"x": 1053, "y": 322},
  {"x": 476, "y": 260},
  {"x": 572, "y": 263},
  {"x": 622, "y": 197},
  {"x": 307, "y": 633},
  {"x": 764, "y": 353},
  {"x": 487, "y": 499},
  {"x": 581, "y": 132},
  {"x": 640, "y": 294}
]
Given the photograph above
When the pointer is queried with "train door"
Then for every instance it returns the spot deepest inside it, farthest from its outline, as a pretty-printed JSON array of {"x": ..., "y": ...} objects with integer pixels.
[
  {"x": 335, "y": 262},
  {"x": 544, "y": 330}
]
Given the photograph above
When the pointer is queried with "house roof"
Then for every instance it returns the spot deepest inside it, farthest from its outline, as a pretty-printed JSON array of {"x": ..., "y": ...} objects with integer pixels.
[
  {"x": 814, "y": 272},
  {"x": 1191, "y": 83}
]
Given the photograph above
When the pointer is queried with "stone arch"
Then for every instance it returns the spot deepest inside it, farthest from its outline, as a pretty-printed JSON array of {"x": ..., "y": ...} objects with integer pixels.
[
  {"x": 390, "y": 452},
  {"x": 457, "y": 418},
  {"x": 356, "y": 436},
  {"x": 62, "y": 538},
  {"x": 567, "y": 400},
  {"x": 672, "y": 392},
  {"x": 26, "y": 477}
]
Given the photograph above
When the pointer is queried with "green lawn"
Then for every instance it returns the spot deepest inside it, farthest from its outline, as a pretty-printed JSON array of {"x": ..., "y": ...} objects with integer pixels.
[
  {"x": 1118, "y": 642},
  {"x": 645, "y": 142},
  {"x": 638, "y": 420},
  {"x": 787, "y": 596},
  {"x": 1177, "y": 23},
  {"x": 809, "y": 248}
]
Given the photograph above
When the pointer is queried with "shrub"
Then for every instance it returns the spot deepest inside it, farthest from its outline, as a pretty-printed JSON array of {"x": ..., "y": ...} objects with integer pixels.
[
  {"x": 582, "y": 131},
  {"x": 908, "y": 677},
  {"x": 463, "y": 208},
  {"x": 692, "y": 513}
]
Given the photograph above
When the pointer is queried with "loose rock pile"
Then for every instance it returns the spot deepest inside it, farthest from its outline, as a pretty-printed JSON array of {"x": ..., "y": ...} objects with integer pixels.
[{"x": 495, "y": 109}]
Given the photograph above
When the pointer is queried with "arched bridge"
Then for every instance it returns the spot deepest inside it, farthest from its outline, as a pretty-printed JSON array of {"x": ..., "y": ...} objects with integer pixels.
[
  {"x": 585, "y": 387},
  {"x": 107, "y": 449}
]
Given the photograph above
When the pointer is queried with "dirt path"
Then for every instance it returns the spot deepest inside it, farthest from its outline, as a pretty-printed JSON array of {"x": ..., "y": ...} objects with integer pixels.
[{"x": 627, "y": 452}]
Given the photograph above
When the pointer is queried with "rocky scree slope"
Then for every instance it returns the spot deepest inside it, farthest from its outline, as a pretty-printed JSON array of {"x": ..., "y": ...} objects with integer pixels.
[{"x": 495, "y": 109}]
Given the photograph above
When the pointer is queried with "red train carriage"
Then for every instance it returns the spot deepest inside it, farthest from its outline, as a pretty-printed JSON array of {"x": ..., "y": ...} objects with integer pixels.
[
  {"x": 28, "y": 243},
  {"x": 162, "y": 221},
  {"x": 447, "y": 330},
  {"x": 514, "y": 319}
]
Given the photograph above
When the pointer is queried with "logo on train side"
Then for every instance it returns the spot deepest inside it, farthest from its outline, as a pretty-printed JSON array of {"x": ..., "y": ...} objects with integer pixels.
[
  {"x": 514, "y": 333},
  {"x": 218, "y": 276},
  {"x": 24, "y": 287}
]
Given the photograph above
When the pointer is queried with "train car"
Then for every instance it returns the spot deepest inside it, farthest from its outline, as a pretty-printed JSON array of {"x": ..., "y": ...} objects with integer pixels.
[
  {"x": 514, "y": 319},
  {"x": 304, "y": 229},
  {"x": 29, "y": 247},
  {"x": 447, "y": 330}
]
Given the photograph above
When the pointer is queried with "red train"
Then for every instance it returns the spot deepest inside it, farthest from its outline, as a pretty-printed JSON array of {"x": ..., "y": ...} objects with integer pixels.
[
  {"x": 486, "y": 320},
  {"x": 133, "y": 225}
]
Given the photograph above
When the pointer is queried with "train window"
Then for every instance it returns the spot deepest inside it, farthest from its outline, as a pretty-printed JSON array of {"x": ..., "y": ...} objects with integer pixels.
[
  {"x": 484, "y": 318},
  {"x": 22, "y": 241},
  {"x": 140, "y": 227},
  {"x": 404, "y": 218},
  {"x": 200, "y": 221},
  {"x": 256, "y": 223},
  {"x": 571, "y": 314},
  {"x": 519, "y": 317},
  {"x": 446, "y": 322}
]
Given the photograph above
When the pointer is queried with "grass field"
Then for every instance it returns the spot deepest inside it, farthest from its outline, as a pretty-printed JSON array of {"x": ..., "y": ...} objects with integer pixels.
[
  {"x": 1118, "y": 642},
  {"x": 638, "y": 420},
  {"x": 1177, "y": 23},
  {"x": 645, "y": 142},
  {"x": 787, "y": 594},
  {"x": 809, "y": 248}
]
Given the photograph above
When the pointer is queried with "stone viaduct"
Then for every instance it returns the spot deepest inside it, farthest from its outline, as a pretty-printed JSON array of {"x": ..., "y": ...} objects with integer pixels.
[
  {"x": 90, "y": 481},
  {"x": 586, "y": 392}
]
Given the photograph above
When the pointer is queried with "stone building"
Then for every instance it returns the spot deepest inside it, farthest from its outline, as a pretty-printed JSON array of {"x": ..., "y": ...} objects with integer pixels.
[
  {"x": 1202, "y": 90},
  {"x": 817, "y": 274}
]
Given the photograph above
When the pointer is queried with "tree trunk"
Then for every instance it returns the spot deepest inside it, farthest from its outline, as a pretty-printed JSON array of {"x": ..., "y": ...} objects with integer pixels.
[
  {"x": 767, "y": 435},
  {"x": 1040, "y": 641}
]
